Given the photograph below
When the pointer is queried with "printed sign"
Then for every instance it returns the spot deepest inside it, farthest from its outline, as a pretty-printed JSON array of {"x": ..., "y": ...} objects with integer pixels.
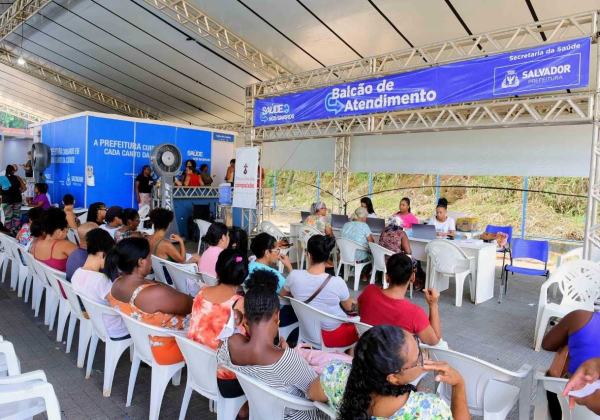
[
  {"x": 246, "y": 174},
  {"x": 223, "y": 137},
  {"x": 563, "y": 65}
]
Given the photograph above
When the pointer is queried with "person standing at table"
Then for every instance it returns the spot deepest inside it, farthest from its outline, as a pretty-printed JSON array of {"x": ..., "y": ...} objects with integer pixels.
[
  {"x": 367, "y": 204},
  {"x": 444, "y": 224},
  {"x": 230, "y": 175},
  {"x": 143, "y": 187},
  {"x": 27, "y": 167},
  {"x": 12, "y": 200},
  {"x": 204, "y": 175},
  {"x": 408, "y": 219}
]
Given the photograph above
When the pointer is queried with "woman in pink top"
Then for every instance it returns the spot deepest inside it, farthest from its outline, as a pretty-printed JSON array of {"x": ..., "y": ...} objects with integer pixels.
[
  {"x": 217, "y": 239},
  {"x": 55, "y": 249},
  {"x": 408, "y": 219}
]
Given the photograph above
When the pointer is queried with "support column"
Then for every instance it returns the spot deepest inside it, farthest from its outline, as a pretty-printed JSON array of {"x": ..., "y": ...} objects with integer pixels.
[
  {"x": 275, "y": 190},
  {"x": 592, "y": 238},
  {"x": 524, "y": 207},
  {"x": 341, "y": 174},
  {"x": 371, "y": 185},
  {"x": 318, "y": 185},
  {"x": 437, "y": 189}
]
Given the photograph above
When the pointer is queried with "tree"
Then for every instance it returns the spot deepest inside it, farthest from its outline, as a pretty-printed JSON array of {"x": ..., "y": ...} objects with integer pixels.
[{"x": 10, "y": 121}]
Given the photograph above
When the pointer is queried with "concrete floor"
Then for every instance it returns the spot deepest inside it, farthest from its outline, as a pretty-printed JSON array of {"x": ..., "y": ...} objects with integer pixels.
[{"x": 498, "y": 333}]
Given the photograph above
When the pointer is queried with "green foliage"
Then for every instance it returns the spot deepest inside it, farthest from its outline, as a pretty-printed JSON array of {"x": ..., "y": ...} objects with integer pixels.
[{"x": 10, "y": 121}]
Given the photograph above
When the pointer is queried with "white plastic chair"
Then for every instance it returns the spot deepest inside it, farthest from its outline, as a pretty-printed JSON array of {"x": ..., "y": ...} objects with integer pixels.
[
  {"x": 143, "y": 212},
  {"x": 83, "y": 217},
  {"x": 209, "y": 280},
  {"x": 4, "y": 259},
  {"x": 39, "y": 283},
  {"x": 304, "y": 234},
  {"x": 202, "y": 378},
  {"x": 9, "y": 362},
  {"x": 267, "y": 403},
  {"x": 325, "y": 409},
  {"x": 161, "y": 374},
  {"x": 288, "y": 329},
  {"x": 26, "y": 395},
  {"x": 61, "y": 304},
  {"x": 556, "y": 386},
  {"x": 448, "y": 260},
  {"x": 310, "y": 320},
  {"x": 362, "y": 328},
  {"x": 113, "y": 349},
  {"x": 51, "y": 296},
  {"x": 203, "y": 226},
  {"x": 348, "y": 250},
  {"x": 576, "y": 253},
  {"x": 85, "y": 325},
  {"x": 275, "y": 232},
  {"x": 157, "y": 267},
  {"x": 579, "y": 284},
  {"x": 488, "y": 393},
  {"x": 180, "y": 273},
  {"x": 19, "y": 273},
  {"x": 73, "y": 236},
  {"x": 25, "y": 276}
]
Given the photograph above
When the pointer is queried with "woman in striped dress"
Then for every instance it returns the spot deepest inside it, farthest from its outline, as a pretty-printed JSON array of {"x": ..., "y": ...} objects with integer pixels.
[{"x": 277, "y": 366}]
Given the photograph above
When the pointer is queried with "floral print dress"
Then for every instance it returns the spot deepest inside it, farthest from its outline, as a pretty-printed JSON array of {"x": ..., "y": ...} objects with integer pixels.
[
  {"x": 420, "y": 405},
  {"x": 321, "y": 223},
  {"x": 164, "y": 349}
]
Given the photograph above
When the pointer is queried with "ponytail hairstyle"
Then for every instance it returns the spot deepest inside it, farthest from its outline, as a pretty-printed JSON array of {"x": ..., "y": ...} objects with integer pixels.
[
  {"x": 238, "y": 240},
  {"x": 367, "y": 202},
  {"x": 261, "y": 300},
  {"x": 93, "y": 211},
  {"x": 376, "y": 356},
  {"x": 407, "y": 201},
  {"x": 319, "y": 247},
  {"x": 215, "y": 233},
  {"x": 262, "y": 243},
  {"x": 443, "y": 203},
  {"x": 10, "y": 170},
  {"x": 231, "y": 267},
  {"x": 123, "y": 258}
]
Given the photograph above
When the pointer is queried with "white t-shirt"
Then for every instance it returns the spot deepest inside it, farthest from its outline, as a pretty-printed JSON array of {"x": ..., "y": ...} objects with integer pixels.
[
  {"x": 110, "y": 229},
  {"x": 95, "y": 286},
  {"x": 372, "y": 215},
  {"x": 444, "y": 227},
  {"x": 301, "y": 284}
]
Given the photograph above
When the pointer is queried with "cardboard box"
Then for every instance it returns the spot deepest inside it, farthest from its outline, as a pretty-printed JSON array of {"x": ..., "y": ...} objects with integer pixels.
[{"x": 466, "y": 224}]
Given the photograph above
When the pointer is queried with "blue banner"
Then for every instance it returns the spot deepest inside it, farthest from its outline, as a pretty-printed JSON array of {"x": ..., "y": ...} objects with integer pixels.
[
  {"x": 223, "y": 137},
  {"x": 552, "y": 67}
]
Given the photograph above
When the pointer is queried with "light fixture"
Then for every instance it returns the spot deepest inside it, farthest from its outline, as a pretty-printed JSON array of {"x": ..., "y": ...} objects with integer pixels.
[{"x": 21, "y": 61}]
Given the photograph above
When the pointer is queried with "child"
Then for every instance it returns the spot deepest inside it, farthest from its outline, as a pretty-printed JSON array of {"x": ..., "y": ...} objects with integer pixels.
[{"x": 41, "y": 199}]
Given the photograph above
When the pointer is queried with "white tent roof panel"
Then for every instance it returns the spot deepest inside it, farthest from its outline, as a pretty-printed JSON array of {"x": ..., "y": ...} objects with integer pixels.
[{"x": 482, "y": 16}]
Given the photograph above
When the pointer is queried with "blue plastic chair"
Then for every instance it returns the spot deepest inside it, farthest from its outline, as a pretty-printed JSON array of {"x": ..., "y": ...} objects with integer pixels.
[
  {"x": 509, "y": 231},
  {"x": 523, "y": 248}
]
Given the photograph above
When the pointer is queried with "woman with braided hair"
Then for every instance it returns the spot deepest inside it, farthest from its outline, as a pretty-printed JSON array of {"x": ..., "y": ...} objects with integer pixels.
[{"x": 378, "y": 383}]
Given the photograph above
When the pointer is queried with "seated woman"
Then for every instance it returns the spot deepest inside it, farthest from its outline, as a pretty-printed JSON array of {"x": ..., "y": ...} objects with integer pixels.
[
  {"x": 264, "y": 247},
  {"x": 97, "y": 213},
  {"x": 131, "y": 221},
  {"x": 318, "y": 218},
  {"x": 238, "y": 239},
  {"x": 378, "y": 383},
  {"x": 333, "y": 294},
  {"x": 150, "y": 302},
  {"x": 408, "y": 219},
  {"x": 161, "y": 220},
  {"x": 212, "y": 308},
  {"x": 41, "y": 199},
  {"x": 36, "y": 232},
  {"x": 92, "y": 283},
  {"x": 444, "y": 224},
  {"x": 55, "y": 248},
  {"x": 68, "y": 203},
  {"x": 378, "y": 306},
  {"x": 396, "y": 240},
  {"x": 24, "y": 236},
  {"x": 367, "y": 204},
  {"x": 358, "y": 231},
  {"x": 217, "y": 239},
  {"x": 204, "y": 175},
  {"x": 279, "y": 367}
]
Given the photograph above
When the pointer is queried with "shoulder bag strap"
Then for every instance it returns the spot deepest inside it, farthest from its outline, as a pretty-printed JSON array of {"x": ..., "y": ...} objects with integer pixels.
[{"x": 321, "y": 287}]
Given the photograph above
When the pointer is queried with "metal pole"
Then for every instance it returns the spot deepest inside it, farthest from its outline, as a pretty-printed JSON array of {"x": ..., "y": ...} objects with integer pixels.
[
  {"x": 318, "y": 185},
  {"x": 370, "y": 184},
  {"x": 275, "y": 190},
  {"x": 524, "y": 214},
  {"x": 592, "y": 205},
  {"x": 437, "y": 190}
]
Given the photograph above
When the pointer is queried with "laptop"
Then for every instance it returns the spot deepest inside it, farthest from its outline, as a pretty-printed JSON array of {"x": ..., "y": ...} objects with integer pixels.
[
  {"x": 423, "y": 231},
  {"x": 376, "y": 225},
  {"x": 338, "y": 221},
  {"x": 304, "y": 215}
]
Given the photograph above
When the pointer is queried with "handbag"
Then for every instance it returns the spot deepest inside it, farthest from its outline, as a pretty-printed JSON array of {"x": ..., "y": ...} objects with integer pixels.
[
  {"x": 560, "y": 364},
  {"x": 318, "y": 359}
]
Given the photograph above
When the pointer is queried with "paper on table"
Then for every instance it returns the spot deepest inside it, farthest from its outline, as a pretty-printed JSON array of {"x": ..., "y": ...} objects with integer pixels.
[{"x": 586, "y": 390}]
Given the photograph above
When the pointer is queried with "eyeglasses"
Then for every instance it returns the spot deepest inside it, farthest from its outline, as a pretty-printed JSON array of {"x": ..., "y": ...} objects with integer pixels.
[
  {"x": 102, "y": 209},
  {"x": 277, "y": 250},
  {"x": 420, "y": 362}
]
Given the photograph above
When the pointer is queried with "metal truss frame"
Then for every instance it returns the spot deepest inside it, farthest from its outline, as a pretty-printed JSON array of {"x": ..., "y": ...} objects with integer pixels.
[
  {"x": 195, "y": 192},
  {"x": 57, "y": 79},
  {"x": 194, "y": 19},
  {"x": 21, "y": 112},
  {"x": 341, "y": 174},
  {"x": 460, "y": 49},
  {"x": 538, "y": 110},
  {"x": 19, "y": 12}
]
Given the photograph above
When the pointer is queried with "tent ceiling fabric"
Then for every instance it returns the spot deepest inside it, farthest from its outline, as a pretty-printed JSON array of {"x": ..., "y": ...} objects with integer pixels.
[{"x": 130, "y": 50}]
